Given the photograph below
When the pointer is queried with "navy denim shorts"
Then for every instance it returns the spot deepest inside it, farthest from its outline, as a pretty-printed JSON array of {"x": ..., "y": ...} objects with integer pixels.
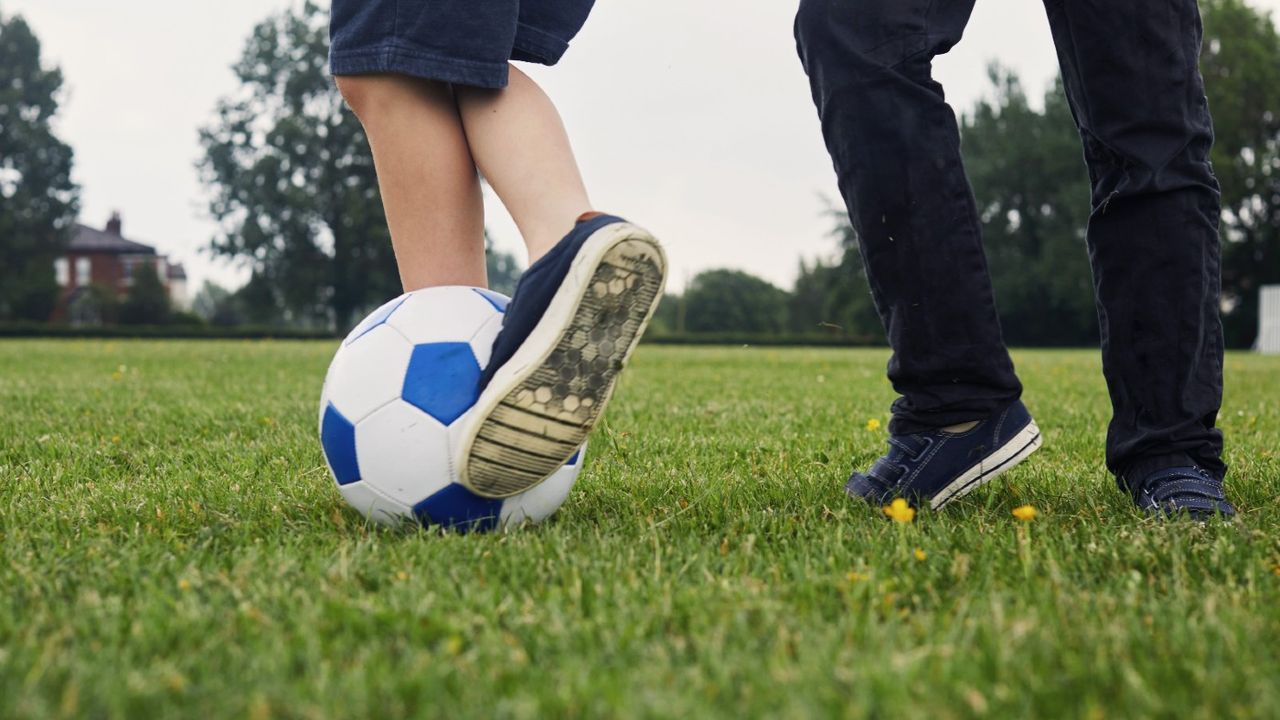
[{"x": 467, "y": 42}]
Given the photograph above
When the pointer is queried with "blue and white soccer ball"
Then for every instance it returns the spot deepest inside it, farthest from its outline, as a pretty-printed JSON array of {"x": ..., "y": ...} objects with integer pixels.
[{"x": 393, "y": 403}]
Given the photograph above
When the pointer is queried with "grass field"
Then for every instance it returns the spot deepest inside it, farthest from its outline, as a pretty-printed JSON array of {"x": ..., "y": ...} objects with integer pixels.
[{"x": 171, "y": 546}]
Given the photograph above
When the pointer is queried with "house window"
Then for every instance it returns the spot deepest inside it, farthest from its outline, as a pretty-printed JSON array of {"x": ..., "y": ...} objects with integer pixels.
[
  {"x": 62, "y": 271},
  {"x": 82, "y": 271}
]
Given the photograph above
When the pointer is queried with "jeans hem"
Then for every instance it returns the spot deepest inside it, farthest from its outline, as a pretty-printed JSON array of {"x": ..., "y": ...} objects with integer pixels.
[
  {"x": 393, "y": 58},
  {"x": 534, "y": 45}
]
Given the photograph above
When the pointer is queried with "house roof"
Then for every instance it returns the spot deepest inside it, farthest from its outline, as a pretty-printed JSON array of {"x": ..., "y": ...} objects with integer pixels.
[
  {"x": 92, "y": 240},
  {"x": 177, "y": 272}
]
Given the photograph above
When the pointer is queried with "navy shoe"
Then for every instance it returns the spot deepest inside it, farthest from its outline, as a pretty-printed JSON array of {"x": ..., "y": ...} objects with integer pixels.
[
  {"x": 1180, "y": 491},
  {"x": 936, "y": 467},
  {"x": 576, "y": 316}
]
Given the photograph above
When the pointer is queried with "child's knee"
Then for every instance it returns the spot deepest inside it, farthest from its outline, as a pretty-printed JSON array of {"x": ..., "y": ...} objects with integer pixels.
[
  {"x": 360, "y": 91},
  {"x": 369, "y": 95},
  {"x": 377, "y": 95}
]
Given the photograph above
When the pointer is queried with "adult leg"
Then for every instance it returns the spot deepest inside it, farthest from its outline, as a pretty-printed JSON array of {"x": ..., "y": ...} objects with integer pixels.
[
  {"x": 896, "y": 149},
  {"x": 1131, "y": 73},
  {"x": 427, "y": 177},
  {"x": 520, "y": 145}
]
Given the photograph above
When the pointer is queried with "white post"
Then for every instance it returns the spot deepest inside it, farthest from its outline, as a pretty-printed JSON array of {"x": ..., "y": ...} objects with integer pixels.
[{"x": 1269, "y": 320}]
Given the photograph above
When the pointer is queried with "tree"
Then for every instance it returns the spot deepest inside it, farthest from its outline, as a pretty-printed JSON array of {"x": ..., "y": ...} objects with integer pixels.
[
  {"x": 94, "y": 306},
  {"x": 259, "y": 302},
  {"x": 38, "y": 200},
  {"x": 293, "y": 183},
  {"x": 834, "y": 297},
  {"x": 503, "y": 268},
  {"x": 147, "y": 302},
  {"x": 1032, "y": 191},
  {"x": 1032, "y": 194},
  {"x": 733, "y": 301},
  {"x": 1241, "y": 66},
  {"x": 216, "y": 305},
  {"x": 667, "y": 319}
]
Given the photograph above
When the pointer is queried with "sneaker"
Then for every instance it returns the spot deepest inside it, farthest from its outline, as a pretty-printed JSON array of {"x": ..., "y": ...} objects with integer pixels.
[
  {"x": 937, "y": 466},
  {"x": 1176, "y": 491},
  {"x": 574, "y": 320}
]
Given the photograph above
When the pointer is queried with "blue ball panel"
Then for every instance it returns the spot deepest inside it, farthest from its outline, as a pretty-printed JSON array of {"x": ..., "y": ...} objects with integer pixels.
[
  {"x": 338, "y": 438},
  {"x": 375, "y": 319},
  {"x": 458, "y": 508},
  {"x": 442, "y": 380},
  {"x": 574, "y": 460},
  {"x": 499, "y": 302}
]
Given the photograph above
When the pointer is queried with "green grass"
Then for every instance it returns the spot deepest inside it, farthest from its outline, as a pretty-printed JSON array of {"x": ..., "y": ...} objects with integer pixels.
[{"x": 172, "y": 546}]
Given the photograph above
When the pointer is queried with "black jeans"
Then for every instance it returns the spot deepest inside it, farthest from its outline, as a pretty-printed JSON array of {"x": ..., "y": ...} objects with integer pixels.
[{"x": 1134, "y": 86}]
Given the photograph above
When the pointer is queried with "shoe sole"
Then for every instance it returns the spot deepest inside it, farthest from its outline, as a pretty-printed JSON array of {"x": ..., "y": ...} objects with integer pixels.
[
  {"x": 1017, "y": 449},
  {"x": 541, "y": 405}
]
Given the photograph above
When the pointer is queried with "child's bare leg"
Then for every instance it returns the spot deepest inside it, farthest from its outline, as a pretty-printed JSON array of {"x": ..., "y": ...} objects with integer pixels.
[
  {"x": 521, "y": 148},
  {"x": 427, "y": 177}
]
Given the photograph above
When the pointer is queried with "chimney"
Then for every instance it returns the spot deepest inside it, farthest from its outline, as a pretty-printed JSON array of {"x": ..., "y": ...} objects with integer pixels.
[{"x": 113, "y": 225}]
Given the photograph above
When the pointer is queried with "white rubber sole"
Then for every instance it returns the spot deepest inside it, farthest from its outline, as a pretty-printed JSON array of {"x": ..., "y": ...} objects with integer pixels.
[
  {"x": 1017, "y": 449},
  {"x": 541, "y": 405}
]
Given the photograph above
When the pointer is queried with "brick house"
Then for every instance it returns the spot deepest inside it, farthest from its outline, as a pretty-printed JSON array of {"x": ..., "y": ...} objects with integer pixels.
[{"x": 107, "y": 259}]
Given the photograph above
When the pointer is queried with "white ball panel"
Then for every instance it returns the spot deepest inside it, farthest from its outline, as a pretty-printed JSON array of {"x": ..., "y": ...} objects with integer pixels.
[
  {"x": 373, "y": 319},
  {"x": 404, "y": 453},
  {"x": 443, "y": 314},
  {"x": 368, "y": 373},
  {"x": 374, "y": 505},
  {"x": 482, "y": 341},
  {"x": 324, "y": 392},
  {"x": 542, "y": 501}
]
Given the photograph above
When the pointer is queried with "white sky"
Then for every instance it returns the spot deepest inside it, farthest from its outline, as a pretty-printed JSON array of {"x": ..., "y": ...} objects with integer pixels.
[{"x": 691, "y": 118}]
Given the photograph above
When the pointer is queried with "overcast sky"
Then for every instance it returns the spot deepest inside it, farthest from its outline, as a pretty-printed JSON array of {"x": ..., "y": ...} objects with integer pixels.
[{"x": 691, "y": 117}]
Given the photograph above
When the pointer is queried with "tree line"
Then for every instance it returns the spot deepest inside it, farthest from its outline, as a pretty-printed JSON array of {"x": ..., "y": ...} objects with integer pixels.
[
  {"x": 292, "y": 187},
  {"x": 1032, "y": 191}
]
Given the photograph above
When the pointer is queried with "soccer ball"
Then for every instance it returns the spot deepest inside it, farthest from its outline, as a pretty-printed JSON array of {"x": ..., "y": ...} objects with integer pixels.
[{"x": 393, "y": 404}]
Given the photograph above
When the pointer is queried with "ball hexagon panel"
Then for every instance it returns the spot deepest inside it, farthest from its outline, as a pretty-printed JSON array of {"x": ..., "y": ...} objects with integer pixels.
[
  {"x": 338, "y": 440},
  {"x": 458, "y": 508},
  {"x": 447, "y": 314},
  {"x": 442, "y": 380},
  {"x": 376, "y": 318},
  {"x": 404, "y": 453},
  {"x": 374, "y": 505},
  {"x": 369, "y": 373}
]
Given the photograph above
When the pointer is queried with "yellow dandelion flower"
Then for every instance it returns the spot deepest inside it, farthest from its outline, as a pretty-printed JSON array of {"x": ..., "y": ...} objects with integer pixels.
[
  {"x": 855, "y": 576},
  {"x": 873, "y": 425},
  {"x": 1025, "y": 513},
  {"x": 184, "y": 584},
  {"x": 900, "y": 511},
  {"x": 920, "y": 554}
]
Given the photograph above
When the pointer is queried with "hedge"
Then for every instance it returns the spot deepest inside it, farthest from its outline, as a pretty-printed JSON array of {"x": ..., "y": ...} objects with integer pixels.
[
  {"x": 185, "y": 332},
  {"x": 247, "y": 332}
]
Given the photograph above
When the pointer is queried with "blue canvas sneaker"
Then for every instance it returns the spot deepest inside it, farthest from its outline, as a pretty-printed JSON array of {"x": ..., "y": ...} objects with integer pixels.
[
  {"x": 576, "y": 316},
  {"x": 1180, "y": 492},
  {"x": 936, "y": 467}
]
